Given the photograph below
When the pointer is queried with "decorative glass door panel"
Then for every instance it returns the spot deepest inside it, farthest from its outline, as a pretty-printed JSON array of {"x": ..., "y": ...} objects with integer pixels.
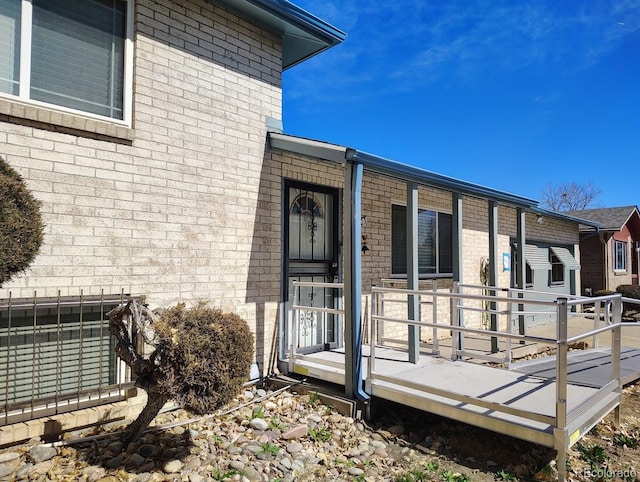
[
  {"x": 314, "y": 330},
  {"x": 310, "y": 256}
]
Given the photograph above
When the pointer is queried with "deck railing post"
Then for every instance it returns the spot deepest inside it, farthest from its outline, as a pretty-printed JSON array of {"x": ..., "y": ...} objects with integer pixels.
[
  {"x": 596, "y": 323},
  {"x": 101, "y": 344},
  {"x": 33, "y": 350},
  {"x": 453, "y": 302},
  {"x": 560, "y": 431},
  {"x": 507, "y": 348},
  {"x": 294, "y": 329},
  {"x": 434, "y": 308},
  {"x": 616, "y": 351},
  {"x": 372, "y": 341},
  {"x": 80, "y": 346},
  {"x": 457, "y": 346},
  {"x": 379, "y": 304},
  {"x": 58, "y": 349}
]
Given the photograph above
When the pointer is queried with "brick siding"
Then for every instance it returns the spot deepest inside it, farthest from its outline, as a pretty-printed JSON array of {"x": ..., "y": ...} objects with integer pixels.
[{"x": 172, "y": 213}]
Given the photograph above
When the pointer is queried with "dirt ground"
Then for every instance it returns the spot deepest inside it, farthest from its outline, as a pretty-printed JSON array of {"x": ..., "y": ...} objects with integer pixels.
[
  {"x": 606, "y": 453},
  {"x": 473, "y": 454}
]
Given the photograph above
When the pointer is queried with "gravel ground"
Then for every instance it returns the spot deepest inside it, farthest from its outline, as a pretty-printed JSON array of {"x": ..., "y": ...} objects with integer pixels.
[{"x": 290, "y": 436}]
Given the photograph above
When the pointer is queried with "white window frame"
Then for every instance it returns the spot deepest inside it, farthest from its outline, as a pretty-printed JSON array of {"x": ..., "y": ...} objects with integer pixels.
[
  {"x": 622, "y": 245},
  {"x": 529, "y": 272},
  {"x": 437, "y": 243},
  {"x": 555, "y": 261},
  {"x": 26, "y": 21}
]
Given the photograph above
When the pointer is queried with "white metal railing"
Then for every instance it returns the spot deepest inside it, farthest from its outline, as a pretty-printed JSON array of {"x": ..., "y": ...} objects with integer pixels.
[
  {"x": 453, "y": 319},
  {"x": 57, "y": 355},
  {"x": 602, "y": 306},
  {"x": 298, "y": 309},
  {"x": 447, "y": 308},
  {"x": 388, "y": 283},
  {"x": 562, "y": 307}
]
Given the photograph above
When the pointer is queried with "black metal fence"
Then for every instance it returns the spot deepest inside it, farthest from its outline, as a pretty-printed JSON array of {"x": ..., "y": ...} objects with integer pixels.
[{"x": 57, "y": 355}]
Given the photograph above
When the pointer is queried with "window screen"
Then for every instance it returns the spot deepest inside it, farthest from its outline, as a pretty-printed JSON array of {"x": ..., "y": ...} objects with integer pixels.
[
  {"x": 434, "y": 241},
  {"x": 9, "y": 46},
  {"x": 77, "y": 57}
]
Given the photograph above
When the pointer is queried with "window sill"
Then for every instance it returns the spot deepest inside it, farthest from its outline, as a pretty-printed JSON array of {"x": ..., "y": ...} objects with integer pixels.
[{"x": 58, "y": 121}]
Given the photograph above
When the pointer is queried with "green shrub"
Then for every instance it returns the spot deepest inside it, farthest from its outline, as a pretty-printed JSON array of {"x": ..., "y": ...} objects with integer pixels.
[
  {"x": 21, "y": 227},
  {"x": 204, "y": 354},
  {"x": 629, "y": 291},
  {"x": 201, "y": 357},
  {"x": 604, "y": 293}
]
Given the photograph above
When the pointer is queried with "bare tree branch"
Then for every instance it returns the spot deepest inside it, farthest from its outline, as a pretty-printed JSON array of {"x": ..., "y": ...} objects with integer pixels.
[
  {"x": 569, "y": 196},
  {"x": 199, "y": 357}
]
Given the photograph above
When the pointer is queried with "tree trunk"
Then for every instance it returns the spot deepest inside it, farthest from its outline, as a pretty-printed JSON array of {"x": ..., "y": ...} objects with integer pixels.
[{"x": 155, "y": 402}]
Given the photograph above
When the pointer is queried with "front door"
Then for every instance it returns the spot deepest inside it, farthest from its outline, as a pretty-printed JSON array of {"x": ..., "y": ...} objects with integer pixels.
[{"x": 311, "y": 255}]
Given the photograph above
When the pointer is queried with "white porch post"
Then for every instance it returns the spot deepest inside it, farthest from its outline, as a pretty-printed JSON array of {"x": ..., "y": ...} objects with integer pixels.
[
  {"x": 412, "y": 270},
  {"x": 493, "y": 267},
  {"x": 353, "y": 282},
  {"x": 521, "y": 267},
  {"x": 456, "y": 241},
  {"x": 456, "y": 238}
]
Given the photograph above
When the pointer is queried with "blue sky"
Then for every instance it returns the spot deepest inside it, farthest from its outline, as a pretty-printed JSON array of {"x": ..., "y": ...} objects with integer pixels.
[{"x": 512, "y": 95}]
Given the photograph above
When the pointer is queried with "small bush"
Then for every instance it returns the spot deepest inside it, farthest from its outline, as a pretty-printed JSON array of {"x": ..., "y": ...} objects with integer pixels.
[
  {"x": 629, "y": 291},
  {"x": 21, "y": 226},
  {"x": 205, "y": 355},
  {"x": 604, "y": 293}
]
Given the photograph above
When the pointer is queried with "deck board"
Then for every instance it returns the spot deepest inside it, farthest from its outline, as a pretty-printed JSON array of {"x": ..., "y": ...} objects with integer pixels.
[
  {"x": 530, "y": 389},
  {"x": 527, "y": 391},
  {"x": 591, "y": 367}
]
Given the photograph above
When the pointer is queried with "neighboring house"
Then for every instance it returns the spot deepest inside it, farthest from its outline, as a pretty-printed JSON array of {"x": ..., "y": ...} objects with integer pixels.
[
  {"x": 152, "y": 134},
  {"x": 609, "y": 255}
]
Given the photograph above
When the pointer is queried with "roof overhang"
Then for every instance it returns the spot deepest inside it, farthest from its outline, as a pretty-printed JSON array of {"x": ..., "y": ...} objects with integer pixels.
[
  {"x": 380, "y": 165},
  {"x": 310, "y": 147},
  {"x": 584, "y": 224},
  {"x": 303, "y": 34},
  {"x": 407, "y": 172}
]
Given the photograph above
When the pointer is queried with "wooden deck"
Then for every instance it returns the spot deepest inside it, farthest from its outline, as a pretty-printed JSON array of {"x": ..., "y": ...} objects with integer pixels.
[
  {"x": 463, "y": 377},
  {"x": 520, "y": 402}
]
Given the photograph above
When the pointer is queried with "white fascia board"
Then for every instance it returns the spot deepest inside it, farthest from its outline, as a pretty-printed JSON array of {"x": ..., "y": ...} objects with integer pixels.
[{"x": 309, "y": 147}]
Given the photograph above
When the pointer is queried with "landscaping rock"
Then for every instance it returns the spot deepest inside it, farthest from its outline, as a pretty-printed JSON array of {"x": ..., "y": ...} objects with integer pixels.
[{"x": 40, "y": 453}]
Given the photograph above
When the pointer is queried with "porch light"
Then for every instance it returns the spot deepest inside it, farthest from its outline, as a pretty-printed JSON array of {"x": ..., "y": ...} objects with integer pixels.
[{"x": 365, "y": 248}]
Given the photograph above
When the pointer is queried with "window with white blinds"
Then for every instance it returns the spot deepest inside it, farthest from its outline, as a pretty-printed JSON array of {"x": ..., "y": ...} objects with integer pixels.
[
  {"x": 435, "y": 253},
  {"x": 9, "y": 46},
  {"x": 73, "y": 56}
]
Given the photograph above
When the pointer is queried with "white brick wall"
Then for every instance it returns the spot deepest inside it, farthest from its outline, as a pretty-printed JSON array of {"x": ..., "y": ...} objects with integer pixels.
[
  {"x": 172, "y": 213},
  {"x": 185, "y": 205},
  {"x": 378, "y": 194}
]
